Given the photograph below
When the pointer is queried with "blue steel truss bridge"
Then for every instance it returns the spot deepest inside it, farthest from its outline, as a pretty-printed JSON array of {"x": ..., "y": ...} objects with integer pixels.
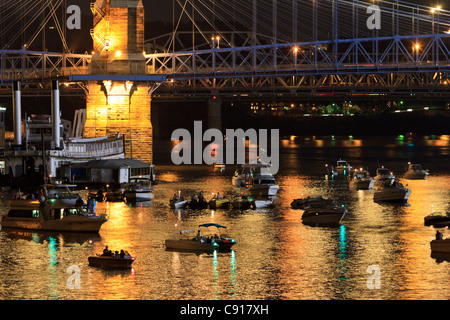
[{"x": 256, "y": 48}]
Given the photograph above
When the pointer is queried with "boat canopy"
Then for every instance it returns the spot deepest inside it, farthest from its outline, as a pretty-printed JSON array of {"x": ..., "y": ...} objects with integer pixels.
[{"x": 207, "y": 225}]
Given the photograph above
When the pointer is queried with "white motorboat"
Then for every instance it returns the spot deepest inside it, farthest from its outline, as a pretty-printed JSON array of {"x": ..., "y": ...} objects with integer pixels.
[
  {"x": 258, "y": 178},
  {"x": 324, "y": 215},
  {"x": 392, "y": 191},
  {"x": 361, "y": 180},
  {"x": 383, "y": 174},
  {"x": 415, "y": 171},
  {"x": 48, "y": 216},
  {"x": 138, "y": 189},
  {"x": 343, "y": 165}
]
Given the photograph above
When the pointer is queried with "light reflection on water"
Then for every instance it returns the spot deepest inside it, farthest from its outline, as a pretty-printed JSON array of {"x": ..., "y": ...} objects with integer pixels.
[{"x": 276, "y": 257}]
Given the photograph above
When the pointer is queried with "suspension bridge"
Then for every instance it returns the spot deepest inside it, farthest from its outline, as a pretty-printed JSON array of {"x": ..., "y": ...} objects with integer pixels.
[{"x": 248, "y": 48}]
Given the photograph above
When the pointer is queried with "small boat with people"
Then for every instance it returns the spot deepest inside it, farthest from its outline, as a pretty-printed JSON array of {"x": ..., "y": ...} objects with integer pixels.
[
  {"x": 440, "y": 245},
  {"x": 391, "y": 191},
  {"x": 415, "y": 172},
  {"x": 361, "y": 180},
  {"x": 178, "y": 202},
  {"x": 219, "y": 202},
  {"x": 49, "y": 216},
  {"x": 311, "y": 202},
  {"x": 109, "y": 260},
  {"x": 190, "y": 242},
  {"x": 327, "y": 215},
  {"x": 218, "y": 233},
  {"x": 197, "y": 202},
  {"x": 138, "y": 189}
]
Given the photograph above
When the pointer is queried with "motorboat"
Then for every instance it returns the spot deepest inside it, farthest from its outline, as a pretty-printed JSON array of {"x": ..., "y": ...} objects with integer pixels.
[
  {"x": 343, "y": 165},
  {"x": 178, "y": 204},
  {"x": 382, "y": 175},
  {"x": 361, "y": 180},
  {"x": 241, "y": 202},
  {"x": 61, "y": 194},
  {"x": 438, "y": 219},
  {"x": 49, "y": 216},
  {"x": 218, "y": 233},
  {"x": 415, "y": 171},
  {"x": 217, "y": 203},
  {"x": 198, "y": 203},
  {"x": 392, "y": 191},
  {"x": 258, "y": 178},
  {"x": 190, "y": 242},
  {"x": 311, "y": 202},
  {"x": 324, "y": 215},
  {"x": 262, "y": 203},
  {"x": 138, "y": 189},
  {"x": 440, "y": 246},
  {"x": 112, "y": 261}
]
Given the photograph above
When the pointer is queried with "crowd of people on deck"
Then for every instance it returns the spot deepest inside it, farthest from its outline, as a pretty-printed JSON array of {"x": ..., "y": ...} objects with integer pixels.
[{"x": 116, "y": 254}]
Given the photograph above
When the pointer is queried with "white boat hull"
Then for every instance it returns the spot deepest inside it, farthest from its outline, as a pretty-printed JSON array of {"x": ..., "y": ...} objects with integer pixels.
[
  {"x": 396, "y": 195},
  {"x": 139, "y": 196},
  {"x": 178, "y": 204},
  {"x": 263, "y": 204}
]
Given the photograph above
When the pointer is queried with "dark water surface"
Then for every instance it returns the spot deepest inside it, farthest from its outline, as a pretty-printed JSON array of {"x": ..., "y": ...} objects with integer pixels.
[{"x": 276, "y": 257}]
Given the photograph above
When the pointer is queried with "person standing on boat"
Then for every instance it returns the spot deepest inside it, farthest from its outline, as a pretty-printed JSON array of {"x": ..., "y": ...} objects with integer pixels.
[{"x": 219, "y": 196}]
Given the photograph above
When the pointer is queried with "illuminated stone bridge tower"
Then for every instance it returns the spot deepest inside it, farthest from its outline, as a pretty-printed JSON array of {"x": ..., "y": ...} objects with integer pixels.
[{"x": 116, "y": 102}]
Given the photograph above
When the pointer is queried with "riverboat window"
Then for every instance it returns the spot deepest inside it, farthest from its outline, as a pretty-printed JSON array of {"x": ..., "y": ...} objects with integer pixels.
[
  {"x": 144, "y": 171},
  {"x": 71, "y": 211},
  {"x": 23, "y": 213}
]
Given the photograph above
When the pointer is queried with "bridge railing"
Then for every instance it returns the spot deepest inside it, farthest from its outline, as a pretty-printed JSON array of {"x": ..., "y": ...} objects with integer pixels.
[{"x": 387, "y": 54}]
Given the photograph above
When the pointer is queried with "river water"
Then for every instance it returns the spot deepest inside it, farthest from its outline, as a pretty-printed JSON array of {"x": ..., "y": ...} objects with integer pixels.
[{"x": 276, "y": 255}]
